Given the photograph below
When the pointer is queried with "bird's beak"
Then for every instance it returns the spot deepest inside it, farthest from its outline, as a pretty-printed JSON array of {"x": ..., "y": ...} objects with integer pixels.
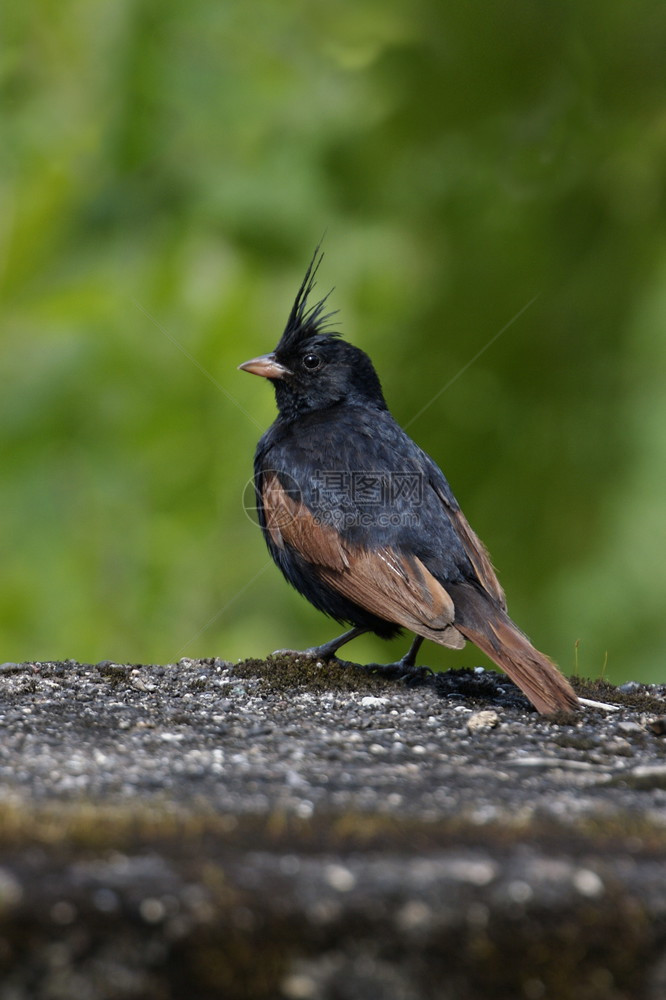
[{"x": 266, "y": 365}]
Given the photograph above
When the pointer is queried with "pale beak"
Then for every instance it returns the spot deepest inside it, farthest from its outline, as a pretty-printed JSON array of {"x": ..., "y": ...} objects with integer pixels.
[{"x": 266, "y": 365}]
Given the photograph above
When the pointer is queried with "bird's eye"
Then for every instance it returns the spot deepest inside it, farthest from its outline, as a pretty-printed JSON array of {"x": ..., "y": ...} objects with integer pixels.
[{"x": 311, "y": 361}]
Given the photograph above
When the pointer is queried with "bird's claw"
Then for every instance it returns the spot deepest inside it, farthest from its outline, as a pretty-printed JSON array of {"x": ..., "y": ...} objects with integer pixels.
[{"x": 399, "y": 671}]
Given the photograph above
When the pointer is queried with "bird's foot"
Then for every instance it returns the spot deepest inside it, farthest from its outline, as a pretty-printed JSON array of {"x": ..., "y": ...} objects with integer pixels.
[
  {"x": 327, "y": 650},
  {"x": 408, "y": 673},
  {"x": 405, "y": 668}
]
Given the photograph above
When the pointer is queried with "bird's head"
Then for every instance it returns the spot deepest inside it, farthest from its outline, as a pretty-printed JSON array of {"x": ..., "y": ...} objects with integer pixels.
[{"x": 311, "y": 368}]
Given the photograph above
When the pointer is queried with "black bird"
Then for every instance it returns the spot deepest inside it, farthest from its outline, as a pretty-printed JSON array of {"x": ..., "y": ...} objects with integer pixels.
[{"x": 363, "y": 523}]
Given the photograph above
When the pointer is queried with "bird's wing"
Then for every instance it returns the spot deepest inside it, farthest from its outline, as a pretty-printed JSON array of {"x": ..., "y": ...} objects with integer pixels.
[
  {"x": 474, "y": 548},
  {"x": 479, "y": 558},
  {"x": 395, "y": 586}
]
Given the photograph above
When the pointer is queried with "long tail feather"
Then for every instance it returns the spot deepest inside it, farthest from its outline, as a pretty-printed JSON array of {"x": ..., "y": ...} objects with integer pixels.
[{"x": 536, "y": 675}]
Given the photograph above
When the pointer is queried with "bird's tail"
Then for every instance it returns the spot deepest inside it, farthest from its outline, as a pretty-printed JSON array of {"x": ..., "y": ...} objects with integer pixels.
[{"x": 537, "y": 676}]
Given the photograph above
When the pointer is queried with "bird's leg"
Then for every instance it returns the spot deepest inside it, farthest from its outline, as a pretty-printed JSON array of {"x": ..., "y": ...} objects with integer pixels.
[
  {"x": 405, "y": 668},
  {"x": 409, "y": 659},
  {"x": 327, "y": 650}
]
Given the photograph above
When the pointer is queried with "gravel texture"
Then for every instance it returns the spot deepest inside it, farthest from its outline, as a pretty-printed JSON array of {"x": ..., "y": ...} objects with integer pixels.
[{"x": 287, "y": 829}]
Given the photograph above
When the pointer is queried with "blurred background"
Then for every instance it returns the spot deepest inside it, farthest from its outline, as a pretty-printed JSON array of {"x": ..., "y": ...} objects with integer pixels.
[{"x": 490, "y": 178}]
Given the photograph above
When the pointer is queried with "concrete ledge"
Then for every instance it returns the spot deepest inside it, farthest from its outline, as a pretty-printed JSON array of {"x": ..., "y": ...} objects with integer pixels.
[{"x": 278, "y": 829}]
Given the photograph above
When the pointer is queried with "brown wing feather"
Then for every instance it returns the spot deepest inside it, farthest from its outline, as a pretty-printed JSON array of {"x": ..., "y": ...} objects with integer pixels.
[
  {"x": 478, "y": 556},
  {"x": 286, "y": 520},
  {"x": 400, "y": 589},
  {"x": 476, "y": 551},
  {"x": 393, "y": 586}
]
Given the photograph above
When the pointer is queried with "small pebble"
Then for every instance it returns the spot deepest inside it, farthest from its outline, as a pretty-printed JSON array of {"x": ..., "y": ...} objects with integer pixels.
[
  {"x": 299, "y": 987},
  {"x": 631, "y": 687},
  {"x": 139, "y": 684},
  {"x": 658, "y": 725},
  {"x": 152, "y": 910},
  {"x": 339, "y": 877},
  {"x": 588, "y": 883},
  {"x": 483, "y": 722},
  {"x": 630, "y": 727},
  {"x": 9, "y": 667}
]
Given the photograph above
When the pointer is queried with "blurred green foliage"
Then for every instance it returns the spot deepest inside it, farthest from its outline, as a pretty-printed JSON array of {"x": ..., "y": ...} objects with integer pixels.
[{"x": 166, "y": 170}]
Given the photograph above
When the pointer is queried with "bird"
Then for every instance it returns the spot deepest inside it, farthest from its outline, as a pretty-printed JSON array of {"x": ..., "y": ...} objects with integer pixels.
[{"x": 362, "y": 521}]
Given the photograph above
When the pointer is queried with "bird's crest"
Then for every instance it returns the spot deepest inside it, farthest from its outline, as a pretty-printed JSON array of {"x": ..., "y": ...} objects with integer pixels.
[{"x": 306, "y": 321}]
